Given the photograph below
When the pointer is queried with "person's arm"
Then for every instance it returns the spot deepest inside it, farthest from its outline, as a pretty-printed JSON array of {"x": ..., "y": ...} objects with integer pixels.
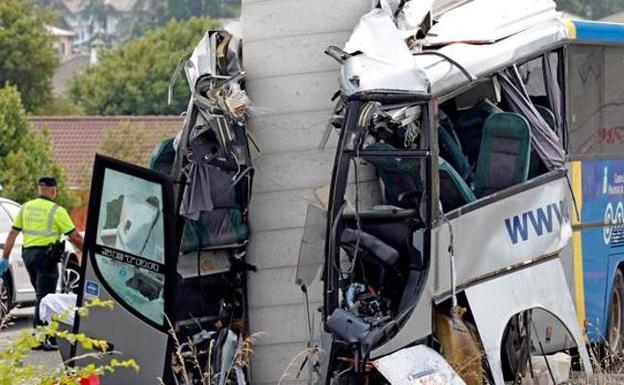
[
  {"x": 9, "y": 243},
  {"x": 75, "y": 238},
  {"x": 66, "y": 226},
  {"x": 15, "y": 230}
]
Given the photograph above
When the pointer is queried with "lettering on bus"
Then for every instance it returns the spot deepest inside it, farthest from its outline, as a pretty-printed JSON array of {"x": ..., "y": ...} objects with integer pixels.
[
  {"x": 613, "y": 220},
  {"x": 542, "y": 220},
  {"x": 130, "y": 259}
]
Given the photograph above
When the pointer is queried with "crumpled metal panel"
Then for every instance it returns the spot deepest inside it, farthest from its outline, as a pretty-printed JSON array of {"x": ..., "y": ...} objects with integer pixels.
[
  {"x": 494, "y": 302},
  {"x": 384, "y": 64},
  {"x": 509, "y": 232},
  {"x": 490, "y": 20}
]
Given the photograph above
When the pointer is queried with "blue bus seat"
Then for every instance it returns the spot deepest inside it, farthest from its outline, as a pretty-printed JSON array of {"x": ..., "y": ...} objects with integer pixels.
[
  {"x": 469, "y": 128},
  {"x": 504, "y": 155},
  {"x": 454, "y": 192}
]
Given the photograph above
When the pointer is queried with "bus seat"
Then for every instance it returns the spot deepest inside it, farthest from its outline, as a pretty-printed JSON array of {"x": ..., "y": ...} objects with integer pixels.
[
  {"x": 398, "y": 176},
  {"x": 454, "y": 192},
  {"x": 504, "y": 155},
  {"x": 469, "y": 128},
  {"x": 445, "y": 121},
  {"x": 547, "y": 115},
  {"x": 451, "y": 150},
  {"x": 536, "y": 165}
]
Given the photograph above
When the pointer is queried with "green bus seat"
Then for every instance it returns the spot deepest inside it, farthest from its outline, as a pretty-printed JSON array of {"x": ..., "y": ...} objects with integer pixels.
[
  {"x": 469, "y": 128},
  {"x": 454, "y": 192},
  {"x": 504, "y": 154}
]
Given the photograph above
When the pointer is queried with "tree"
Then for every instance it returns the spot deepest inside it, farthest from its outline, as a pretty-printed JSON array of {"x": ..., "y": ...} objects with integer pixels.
[
  {"x": 148, "y": 14},
  {"x": 24, "y": 156},
  {"x": 127, "y": 142},
  {"x": 134, "y": 79},
  {"x": 27, "y": 57},
  {"x": 571, "y": 6},
  {"x": 591, "y": 9}
]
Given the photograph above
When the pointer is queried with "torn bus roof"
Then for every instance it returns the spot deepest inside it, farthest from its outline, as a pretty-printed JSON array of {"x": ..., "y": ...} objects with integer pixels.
[
  {"x": 381, "y": 61},
  {"x": 489, "y": 20}
]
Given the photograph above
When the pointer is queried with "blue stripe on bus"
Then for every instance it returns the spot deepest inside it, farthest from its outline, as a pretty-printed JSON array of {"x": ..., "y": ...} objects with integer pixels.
[{"x": 599, "y": 32}]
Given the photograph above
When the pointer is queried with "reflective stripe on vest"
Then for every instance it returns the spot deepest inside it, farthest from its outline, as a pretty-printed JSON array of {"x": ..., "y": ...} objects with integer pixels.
[{"x": 48, "y": 232}]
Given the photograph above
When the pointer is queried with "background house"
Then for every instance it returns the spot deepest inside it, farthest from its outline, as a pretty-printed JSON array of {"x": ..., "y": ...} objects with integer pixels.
[{"x": 76, "y": 139}]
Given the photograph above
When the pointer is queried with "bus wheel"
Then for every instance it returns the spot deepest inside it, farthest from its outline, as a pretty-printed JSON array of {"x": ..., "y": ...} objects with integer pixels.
[{"x": 615, "y": 331}]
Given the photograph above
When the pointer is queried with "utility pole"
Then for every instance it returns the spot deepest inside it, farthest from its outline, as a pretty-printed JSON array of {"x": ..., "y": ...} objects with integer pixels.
[{"x": 290, "y": 82}]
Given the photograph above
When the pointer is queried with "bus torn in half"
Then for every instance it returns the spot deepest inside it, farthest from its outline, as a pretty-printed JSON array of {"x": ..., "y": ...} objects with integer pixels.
[
  {"x": 449, "y": 222},
  {"x": 168, "y": 244}
]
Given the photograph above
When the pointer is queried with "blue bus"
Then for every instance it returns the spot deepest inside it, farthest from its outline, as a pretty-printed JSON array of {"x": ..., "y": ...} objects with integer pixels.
[{"x": 595, "y": 105}]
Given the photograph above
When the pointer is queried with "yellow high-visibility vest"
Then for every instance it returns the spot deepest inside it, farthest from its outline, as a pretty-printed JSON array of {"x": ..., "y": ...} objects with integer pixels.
[{"x": 42, "y": 222}]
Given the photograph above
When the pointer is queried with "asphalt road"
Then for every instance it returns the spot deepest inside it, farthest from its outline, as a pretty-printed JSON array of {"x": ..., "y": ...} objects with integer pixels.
[{"x": 22, "y": 320}]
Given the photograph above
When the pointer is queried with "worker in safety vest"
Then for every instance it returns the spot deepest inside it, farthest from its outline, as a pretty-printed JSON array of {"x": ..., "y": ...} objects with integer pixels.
[{"x": 43, "y": 223}]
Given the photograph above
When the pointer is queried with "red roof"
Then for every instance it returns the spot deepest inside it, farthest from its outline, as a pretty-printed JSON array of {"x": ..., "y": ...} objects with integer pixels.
[{"x": 76, "y": 139}]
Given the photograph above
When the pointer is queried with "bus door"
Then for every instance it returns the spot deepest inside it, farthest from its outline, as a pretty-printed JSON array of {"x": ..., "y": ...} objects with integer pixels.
[{"x": 130, "y": 258}]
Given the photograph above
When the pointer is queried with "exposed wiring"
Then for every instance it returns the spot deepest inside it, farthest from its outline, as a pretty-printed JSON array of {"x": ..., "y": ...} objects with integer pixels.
[
  {"x": 576, "y": 208},
  {"x": 550, "y": 372}
]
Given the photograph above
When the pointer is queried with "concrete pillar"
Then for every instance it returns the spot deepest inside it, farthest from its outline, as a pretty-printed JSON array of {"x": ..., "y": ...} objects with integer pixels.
[{"x": 291, "y": 82}]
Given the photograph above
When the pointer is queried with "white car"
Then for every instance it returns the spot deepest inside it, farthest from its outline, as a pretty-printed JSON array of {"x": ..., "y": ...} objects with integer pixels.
[{"x": 15, "y": 287}]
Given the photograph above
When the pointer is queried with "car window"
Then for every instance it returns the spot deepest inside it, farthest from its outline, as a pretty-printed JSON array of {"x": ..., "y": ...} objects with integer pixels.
[{"x": 12, "y": 209}]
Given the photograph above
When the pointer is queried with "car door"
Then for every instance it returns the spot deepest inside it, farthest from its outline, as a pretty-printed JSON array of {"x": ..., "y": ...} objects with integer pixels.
[
  {"x": 24, "y": 291},
  {"x": 130, "y": 259}
]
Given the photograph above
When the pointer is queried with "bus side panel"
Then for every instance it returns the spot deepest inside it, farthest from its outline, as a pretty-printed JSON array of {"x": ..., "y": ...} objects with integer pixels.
[
  {"x": 602, "y": 247},
  {"x": 595, "y": 113}
]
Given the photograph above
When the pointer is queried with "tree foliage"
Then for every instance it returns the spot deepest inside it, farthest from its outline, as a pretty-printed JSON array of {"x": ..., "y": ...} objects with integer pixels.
[
  {"x": 27, "y": 57},
  {"x": 127, "y": 142},
  {"x": 148, "y": 14},
  {"x": 24, "y": 156},
  {"x": 134, "y": 79},
  {"x": 591, "y": 9}
]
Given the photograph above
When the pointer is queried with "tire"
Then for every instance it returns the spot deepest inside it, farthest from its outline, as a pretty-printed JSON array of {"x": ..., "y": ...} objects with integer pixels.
[
  {"x": 615, "y": 327},
  {"x": 6, "y": 295},
  {"x": 515, "y": 351}
]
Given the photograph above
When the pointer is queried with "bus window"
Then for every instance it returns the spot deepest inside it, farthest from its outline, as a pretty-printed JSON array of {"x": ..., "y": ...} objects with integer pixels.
[
  {"x": 130, "y": 227},
  {"x": 596, "y": 106}
]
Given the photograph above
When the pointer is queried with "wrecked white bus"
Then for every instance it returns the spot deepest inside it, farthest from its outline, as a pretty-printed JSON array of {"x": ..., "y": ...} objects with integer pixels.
[
  {"x": 473, "y": 169},
  {"x": 168, "y": 244}
]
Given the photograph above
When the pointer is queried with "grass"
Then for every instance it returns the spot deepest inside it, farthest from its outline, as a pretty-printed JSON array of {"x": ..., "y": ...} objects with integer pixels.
[{"x": 187, "y": 362}]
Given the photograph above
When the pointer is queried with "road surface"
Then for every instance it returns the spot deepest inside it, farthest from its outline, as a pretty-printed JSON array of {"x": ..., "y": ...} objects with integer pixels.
[{"x": 22, "y": 320}]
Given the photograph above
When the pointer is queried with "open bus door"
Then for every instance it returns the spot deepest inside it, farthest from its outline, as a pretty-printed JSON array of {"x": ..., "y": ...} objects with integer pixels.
[{"x": 130, "y": 258}]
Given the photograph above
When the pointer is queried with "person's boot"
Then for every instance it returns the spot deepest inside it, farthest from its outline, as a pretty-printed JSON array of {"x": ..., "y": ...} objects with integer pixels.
[{"x": 49, "y": 345}]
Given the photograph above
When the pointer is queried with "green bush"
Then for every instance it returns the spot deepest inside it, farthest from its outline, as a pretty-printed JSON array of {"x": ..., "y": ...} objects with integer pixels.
[{"x": 15, "y": 370}]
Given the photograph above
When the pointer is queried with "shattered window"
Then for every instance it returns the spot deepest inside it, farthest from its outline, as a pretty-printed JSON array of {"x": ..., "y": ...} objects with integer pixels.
[{"x": 130, "y": 242}]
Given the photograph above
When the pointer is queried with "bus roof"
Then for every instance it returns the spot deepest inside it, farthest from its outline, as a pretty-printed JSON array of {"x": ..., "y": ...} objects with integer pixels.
[
  {"x": 597, "y": 32},
  {"x": 384, "y": 62}
]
